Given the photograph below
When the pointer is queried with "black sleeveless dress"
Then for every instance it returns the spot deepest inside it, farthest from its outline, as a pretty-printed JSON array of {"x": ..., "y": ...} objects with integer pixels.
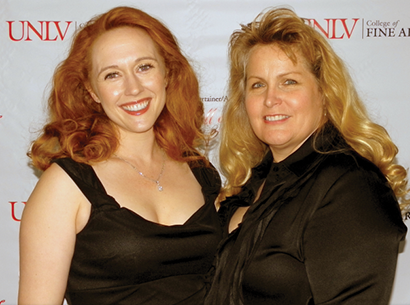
[{"x": 122, "y": 258}]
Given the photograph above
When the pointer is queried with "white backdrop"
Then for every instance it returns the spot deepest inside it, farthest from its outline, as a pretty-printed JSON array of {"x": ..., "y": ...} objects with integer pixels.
[{"x": 372, "y": 36}]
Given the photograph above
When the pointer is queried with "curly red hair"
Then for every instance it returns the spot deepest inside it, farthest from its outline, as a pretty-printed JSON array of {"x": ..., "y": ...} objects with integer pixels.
[{"x": 79, "y": 129}]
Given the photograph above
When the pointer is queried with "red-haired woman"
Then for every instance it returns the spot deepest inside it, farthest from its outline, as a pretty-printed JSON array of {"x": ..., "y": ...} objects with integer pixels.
[{"x": 124, "y": 211}]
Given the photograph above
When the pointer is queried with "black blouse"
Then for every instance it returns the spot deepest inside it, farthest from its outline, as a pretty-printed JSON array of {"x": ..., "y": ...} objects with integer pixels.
[
  {"x": 325, "y": 230},
  {"x": 122, "y": 258}
]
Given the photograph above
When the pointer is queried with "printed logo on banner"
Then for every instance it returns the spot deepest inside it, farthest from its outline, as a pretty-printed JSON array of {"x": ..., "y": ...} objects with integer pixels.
[
  {"x": 2, "y": 301},
  {"x": 213, "y": 116},
  {"x": 332, "y": 28},
  {"x": 24, "y": 30},
  {"x": 210, "y": 117},
  {"x": 343, "y": 28},
  {"x": 214, "y": 99},
  {"x": 338, "y": 28},
  {"x": 16, "y": 210},
  {"x": 378, "y": 29}
]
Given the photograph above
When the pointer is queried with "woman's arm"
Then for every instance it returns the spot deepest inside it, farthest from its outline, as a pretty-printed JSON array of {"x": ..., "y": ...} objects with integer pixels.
[
  {"x": 47, "y": 238},
  {"x": 351, "y": 242}
]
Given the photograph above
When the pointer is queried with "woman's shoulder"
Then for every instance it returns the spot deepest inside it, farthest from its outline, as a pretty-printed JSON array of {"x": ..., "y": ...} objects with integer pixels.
[
  {"x": 359, "y": 187},
  {"x": 207, "y": 172},
  {"x": 53, "y": 184},
  {"x": 55, "y": 175},
  {"x": 80, "y": 173},
  {"x": 349, "y": 175},
  {"x": 71, "y": 166},
  {"x": 207, "y": 175},
  {"x": 352, "y": 163},
  {"x": 353, "y": 173}
]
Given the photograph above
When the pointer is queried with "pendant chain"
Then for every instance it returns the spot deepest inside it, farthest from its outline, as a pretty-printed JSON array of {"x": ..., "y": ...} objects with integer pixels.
[{"x": 156, "y": 181}]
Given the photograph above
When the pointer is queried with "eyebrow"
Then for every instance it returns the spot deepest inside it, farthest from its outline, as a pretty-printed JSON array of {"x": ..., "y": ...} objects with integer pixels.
[
  {"x": 278, "y": 76},
  {"x": 136, "y": 61}
]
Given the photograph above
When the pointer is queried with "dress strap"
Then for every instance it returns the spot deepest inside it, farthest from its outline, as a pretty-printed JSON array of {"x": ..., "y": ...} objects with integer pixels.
[
  {"x": 84, "y": 176},
  {"x": 208, "y": 177}
]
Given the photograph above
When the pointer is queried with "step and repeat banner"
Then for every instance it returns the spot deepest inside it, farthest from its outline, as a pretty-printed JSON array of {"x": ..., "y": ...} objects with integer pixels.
[{"x": 372, "y": 36}]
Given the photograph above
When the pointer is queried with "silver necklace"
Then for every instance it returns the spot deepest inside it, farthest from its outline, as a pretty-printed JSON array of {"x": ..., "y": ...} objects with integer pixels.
[{"x": 159, "y": 186}]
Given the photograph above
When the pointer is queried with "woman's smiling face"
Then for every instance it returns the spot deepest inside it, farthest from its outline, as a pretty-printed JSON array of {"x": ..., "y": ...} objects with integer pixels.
[
  {"x": 128, "y": 78},
  {"x": 282, "y": 99}
]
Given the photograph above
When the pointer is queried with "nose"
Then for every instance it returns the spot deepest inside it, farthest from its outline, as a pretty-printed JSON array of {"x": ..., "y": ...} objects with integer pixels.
[
  {"x": 133, "y": 85},
  {"x": 272, "y": 97}
]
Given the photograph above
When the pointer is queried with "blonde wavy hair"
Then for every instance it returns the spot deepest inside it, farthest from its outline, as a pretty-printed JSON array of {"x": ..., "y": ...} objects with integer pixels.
[{"x": 240, "y": 149}]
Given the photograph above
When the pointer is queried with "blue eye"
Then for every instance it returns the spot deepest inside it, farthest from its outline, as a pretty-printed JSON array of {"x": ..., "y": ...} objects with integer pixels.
[
  {"x": 257, "y": 85},
  {"x": 290, "y": 82}
]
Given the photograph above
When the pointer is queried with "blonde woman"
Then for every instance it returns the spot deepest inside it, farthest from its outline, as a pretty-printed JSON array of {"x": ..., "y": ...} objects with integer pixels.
[{"x": 311, "y": 215}]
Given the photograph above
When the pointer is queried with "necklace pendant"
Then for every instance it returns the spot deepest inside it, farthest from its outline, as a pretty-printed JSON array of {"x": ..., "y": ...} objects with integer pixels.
[{"x": 160, "y": 188}]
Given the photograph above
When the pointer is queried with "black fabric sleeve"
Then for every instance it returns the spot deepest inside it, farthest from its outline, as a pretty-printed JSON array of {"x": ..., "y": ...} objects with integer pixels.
[{"x": 351, "y": 242}]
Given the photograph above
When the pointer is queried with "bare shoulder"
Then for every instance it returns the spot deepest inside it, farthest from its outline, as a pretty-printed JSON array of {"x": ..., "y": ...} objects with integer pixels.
[
  {"x": 53, "y": 183},
  {"x": 55, "y": 175},
  {"x": 54, "y": 196}
]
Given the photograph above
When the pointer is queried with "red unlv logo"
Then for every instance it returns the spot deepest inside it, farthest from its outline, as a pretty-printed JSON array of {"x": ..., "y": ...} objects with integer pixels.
[
  {"x": 13, "y": 211},
  {"x": 24, "y": 30},
  {"x": 335, "y": 28}
]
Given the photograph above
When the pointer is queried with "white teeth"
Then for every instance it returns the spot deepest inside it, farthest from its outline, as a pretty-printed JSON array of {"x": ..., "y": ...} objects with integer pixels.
[
  {"x": 136, "y": 107},
  {"x": 274, "y": 118}
]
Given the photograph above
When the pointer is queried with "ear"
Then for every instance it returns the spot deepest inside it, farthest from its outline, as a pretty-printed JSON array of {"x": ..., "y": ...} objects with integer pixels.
[{"x": 92, "y": 93}]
